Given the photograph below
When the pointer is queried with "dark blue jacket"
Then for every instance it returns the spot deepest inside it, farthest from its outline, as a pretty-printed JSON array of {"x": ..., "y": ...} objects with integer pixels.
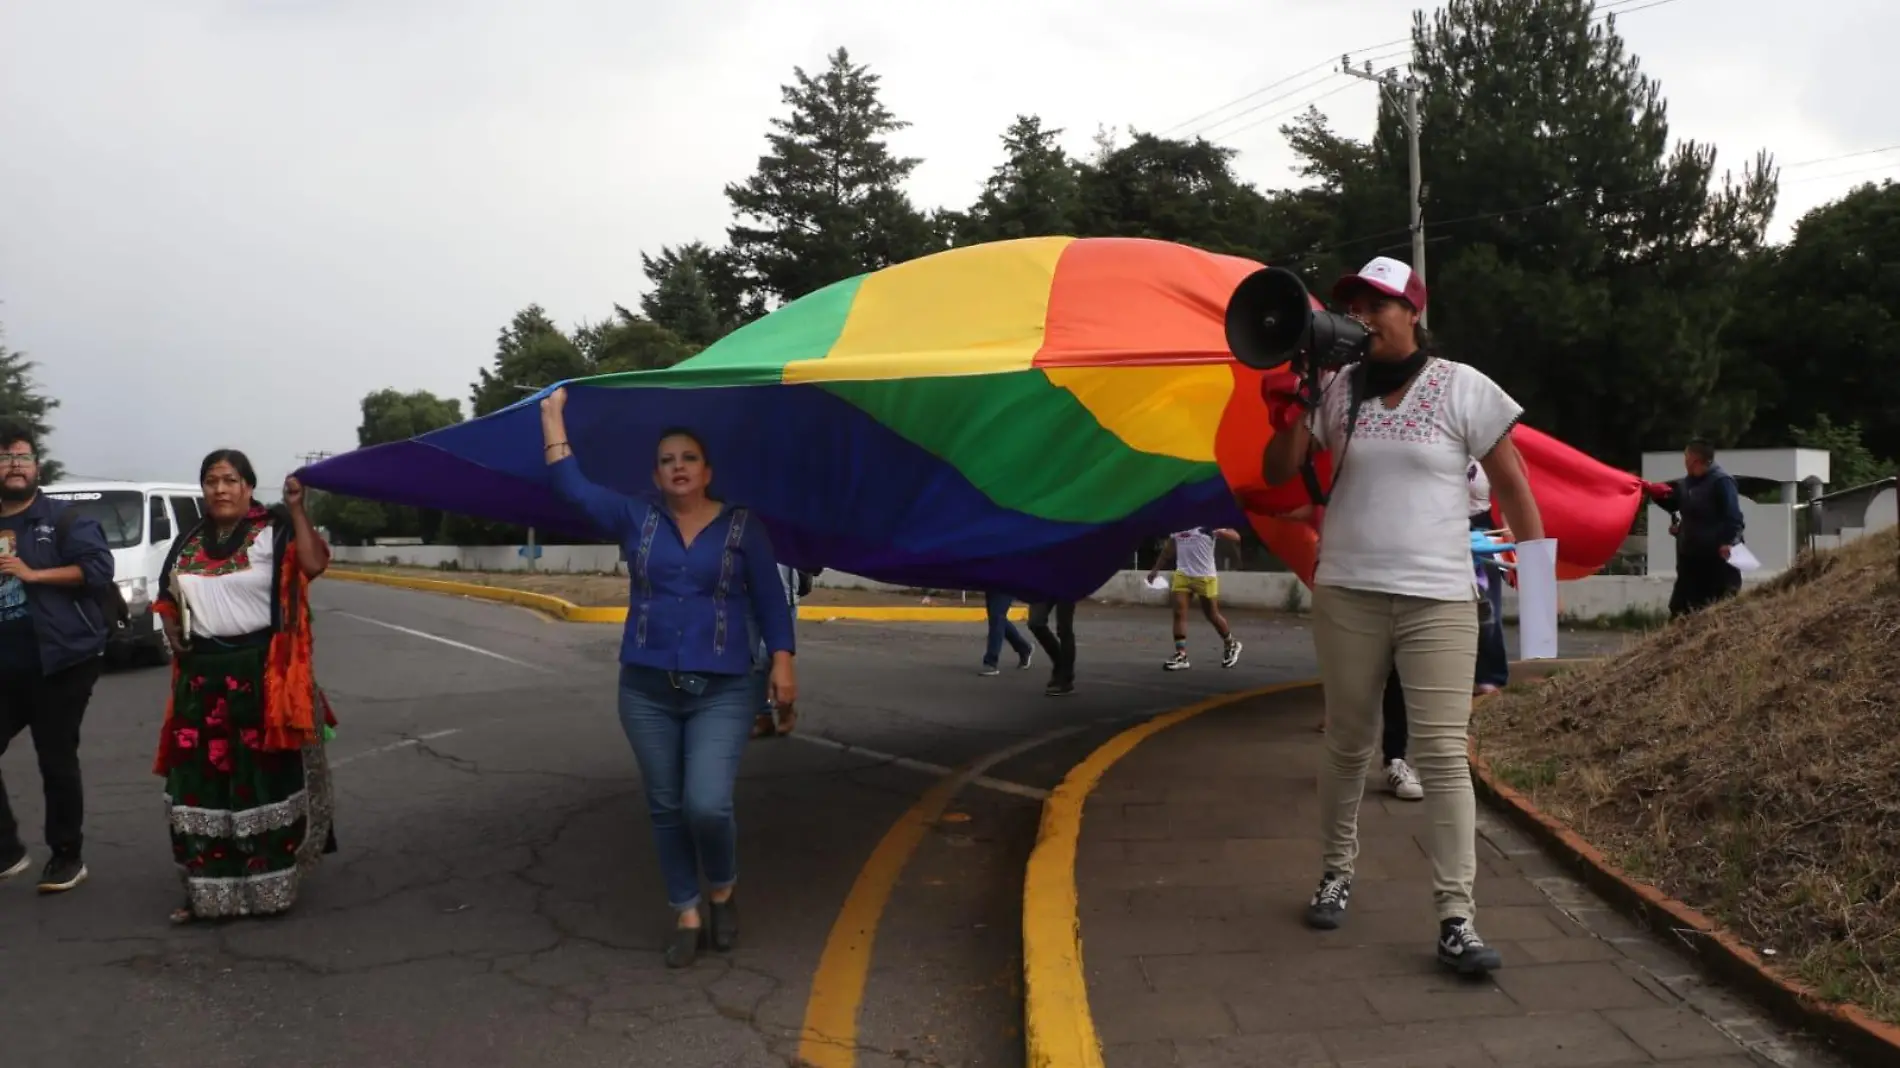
[
  {"x": 1709, "y": 508},
  {"x": 70, "y": 625}
]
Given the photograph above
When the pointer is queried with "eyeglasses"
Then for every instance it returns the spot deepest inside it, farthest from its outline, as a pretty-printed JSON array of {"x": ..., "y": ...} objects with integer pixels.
[{"x": 18, "y": 459}]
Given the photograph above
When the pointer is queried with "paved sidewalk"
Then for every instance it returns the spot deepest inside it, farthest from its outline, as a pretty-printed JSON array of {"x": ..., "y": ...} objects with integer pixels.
[{"x": 1199, "y": 850}]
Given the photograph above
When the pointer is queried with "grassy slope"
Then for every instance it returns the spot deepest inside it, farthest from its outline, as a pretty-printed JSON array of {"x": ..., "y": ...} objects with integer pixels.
[{"x": 1747, "y": 762}]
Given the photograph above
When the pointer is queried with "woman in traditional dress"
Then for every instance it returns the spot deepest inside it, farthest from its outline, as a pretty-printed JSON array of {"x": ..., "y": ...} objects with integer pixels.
[
  {"x": 704, "y": 582},
  {"x": 242, "y": 747}
]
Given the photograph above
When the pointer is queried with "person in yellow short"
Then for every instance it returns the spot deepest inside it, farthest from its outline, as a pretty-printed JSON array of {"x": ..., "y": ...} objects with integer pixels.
[{"x": 1192, "y": 554}]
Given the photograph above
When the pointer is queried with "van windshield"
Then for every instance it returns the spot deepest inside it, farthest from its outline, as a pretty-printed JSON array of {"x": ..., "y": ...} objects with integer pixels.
[{"x": 120, "y": 512}]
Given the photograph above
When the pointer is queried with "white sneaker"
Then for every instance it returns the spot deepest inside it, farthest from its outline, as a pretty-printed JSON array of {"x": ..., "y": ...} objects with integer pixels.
[{"x": 1403, "y": 781}]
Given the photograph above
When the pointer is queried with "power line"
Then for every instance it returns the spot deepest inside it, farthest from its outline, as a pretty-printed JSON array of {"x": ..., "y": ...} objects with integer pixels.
[
  {"x": 1303, "y": 105},
  {"x": 1843, "y": 174},
  {"x": 1603, "y": 11},
  {"x": 1842, "y": 156}
]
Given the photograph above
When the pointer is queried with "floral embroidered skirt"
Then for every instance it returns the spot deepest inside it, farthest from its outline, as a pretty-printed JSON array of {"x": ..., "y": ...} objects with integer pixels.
[{"x": 246, "y": 823}]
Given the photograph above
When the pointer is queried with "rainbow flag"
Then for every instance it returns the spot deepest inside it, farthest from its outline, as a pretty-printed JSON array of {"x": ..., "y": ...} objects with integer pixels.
[{"x": 1014, "y": 416}]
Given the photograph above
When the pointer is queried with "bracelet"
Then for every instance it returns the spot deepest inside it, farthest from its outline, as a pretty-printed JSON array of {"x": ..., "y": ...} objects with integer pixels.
[{"x": 556, "y": 445}]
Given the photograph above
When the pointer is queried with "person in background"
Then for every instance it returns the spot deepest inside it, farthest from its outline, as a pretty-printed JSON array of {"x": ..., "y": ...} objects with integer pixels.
[
  {"x": 996, "y": 606},
  {"x": 1059, "y": 643},
  {"x": 1705, "y": 513},
  {"x": 1394, "y": 586},
  {"x": 688, "y": 693},
  {"x": 1195, "y": 575},
  {"x": 52, "y": 645},
  {"x": 247, "y": 779},
  {"x": 1494, "y": 661},
  {"x": 1399, "y": 776}
]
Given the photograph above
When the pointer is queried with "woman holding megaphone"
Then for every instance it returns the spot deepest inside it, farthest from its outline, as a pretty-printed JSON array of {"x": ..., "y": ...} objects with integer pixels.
[{"x": 1394, "y": 584}]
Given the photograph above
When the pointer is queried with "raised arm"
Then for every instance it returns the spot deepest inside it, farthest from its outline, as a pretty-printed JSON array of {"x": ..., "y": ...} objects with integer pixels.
[
  {"x": 313, "y": 553},
  {"x": 606, "y": 509}
]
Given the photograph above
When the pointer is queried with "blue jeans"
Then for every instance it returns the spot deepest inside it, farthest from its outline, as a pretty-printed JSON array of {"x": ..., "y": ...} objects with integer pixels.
[
  {"x": 1494, "y": 661},
  {"x": 688, "y": 748},
  {"x": 1001, "y": 629}
]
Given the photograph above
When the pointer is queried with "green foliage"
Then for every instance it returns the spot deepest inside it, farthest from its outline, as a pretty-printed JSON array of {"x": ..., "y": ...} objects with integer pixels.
[
  {"x": 530, "y": 352},
  {"x": 25, "y": 405},
  {"x": 1580, "y": 259},
  {"x": 826, "y": 202},
  {"x": 1035, "y": 192},
  {"x": 629, "y": 342},
  {"x": 1849, "y": 460},
  {"x": 696, "y": 294},
  {"x": 1820, "y": 319}
]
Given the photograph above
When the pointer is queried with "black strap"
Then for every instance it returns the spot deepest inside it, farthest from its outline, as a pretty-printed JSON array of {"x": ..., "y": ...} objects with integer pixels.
[{"x": 1309, "y": 472}]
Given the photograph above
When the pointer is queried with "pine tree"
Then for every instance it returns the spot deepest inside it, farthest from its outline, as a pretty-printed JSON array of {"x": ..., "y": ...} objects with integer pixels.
[
  {"x": 827, "y": 202},
  {"x": 25, "y": 405}
]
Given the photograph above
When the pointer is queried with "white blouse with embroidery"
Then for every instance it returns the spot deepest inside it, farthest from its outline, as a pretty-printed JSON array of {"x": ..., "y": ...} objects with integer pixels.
[
  {"x": 1399, "y": 517},
  {"x": 234, "y": 597}
]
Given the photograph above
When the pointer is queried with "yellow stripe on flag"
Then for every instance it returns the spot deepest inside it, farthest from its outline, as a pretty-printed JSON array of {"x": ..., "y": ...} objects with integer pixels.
[
  {"x": 972, "y": 310},
  {"x": 1167, "y": 411}
]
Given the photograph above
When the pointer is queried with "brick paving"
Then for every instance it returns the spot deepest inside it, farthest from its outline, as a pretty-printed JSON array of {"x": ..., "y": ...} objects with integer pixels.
[{"x": 1199, "y": 851}]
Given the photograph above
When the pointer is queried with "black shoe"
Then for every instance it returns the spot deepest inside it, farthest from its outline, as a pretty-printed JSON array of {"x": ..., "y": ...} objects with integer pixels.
[
  {"x": 62, "y": 874},
  {"x": 725, "y": 925},
  {"x": 683, "y": 945},
  {"x": 1059, "y": 689},
  {"x": 1028, "y": 659},
  {"x": 1461, "y": 950},
  {"x": 14, "y": 861},
  {"x": 1328, "y": 906}
]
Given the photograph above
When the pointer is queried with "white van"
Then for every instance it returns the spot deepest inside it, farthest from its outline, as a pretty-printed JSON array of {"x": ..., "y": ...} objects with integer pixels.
[{"x": 140, "y": 520}]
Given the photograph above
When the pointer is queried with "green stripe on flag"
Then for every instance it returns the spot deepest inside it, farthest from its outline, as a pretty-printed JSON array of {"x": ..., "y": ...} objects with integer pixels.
[
  {"x": 756, "y": 353},
  {"x": 1026, "y": 443}
]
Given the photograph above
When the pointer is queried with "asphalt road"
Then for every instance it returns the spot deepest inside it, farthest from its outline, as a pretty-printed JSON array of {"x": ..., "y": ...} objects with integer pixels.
[{"x": 496, "y": 899}]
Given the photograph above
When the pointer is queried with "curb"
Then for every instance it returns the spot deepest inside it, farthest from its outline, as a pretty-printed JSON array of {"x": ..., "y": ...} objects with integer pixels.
[
  {"x": 1058, "y": 1028},
  {"x": 1691, "y": 933},
  {"x": 569, "y": 612}
]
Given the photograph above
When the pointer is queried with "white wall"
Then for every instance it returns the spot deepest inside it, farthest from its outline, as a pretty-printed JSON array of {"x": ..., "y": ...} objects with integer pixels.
[{"x": 1595, "y": 597}]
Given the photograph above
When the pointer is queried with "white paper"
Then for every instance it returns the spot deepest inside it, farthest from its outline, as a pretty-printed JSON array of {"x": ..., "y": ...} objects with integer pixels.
[
  {"x": 1159, "y": 583},
  {"x": 1742, "y": 560},
  {"x": 1537, "y": 599}
]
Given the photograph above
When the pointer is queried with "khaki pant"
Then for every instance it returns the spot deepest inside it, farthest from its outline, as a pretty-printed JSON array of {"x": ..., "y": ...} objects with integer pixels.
[{"x": 1359, "y": 637}]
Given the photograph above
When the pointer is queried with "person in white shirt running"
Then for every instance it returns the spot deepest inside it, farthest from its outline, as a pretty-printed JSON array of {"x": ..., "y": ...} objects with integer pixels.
[
  {"x": 1195, "y": 575},
  {"x": 1395, "y": 587}
]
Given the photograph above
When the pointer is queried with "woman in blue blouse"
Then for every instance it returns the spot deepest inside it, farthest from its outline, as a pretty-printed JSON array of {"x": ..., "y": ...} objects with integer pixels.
[{"x": 703, "y": 575}]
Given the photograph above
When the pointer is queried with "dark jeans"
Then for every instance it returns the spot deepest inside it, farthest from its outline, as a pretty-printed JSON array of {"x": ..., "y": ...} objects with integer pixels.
[
  {"x": 51, "y": 707},
  {"x": 688, "y": 748},
  {"x": 1001, "y": 629},
  {"x": 1394, "y": 710},
  {"x": 1060, "y": 643},
  {"x": 1702, "y": 581},
  {"x": 1494, "y": 661}
]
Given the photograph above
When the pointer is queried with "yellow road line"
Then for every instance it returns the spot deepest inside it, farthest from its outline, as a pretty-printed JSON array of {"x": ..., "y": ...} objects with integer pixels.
[
  {"x": 576, "y": 613},
  {"x": 829, "y": 1038},
  {"x": 1059, "y": 1030}
]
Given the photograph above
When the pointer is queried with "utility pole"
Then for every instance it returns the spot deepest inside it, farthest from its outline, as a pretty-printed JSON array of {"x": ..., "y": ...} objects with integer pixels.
[{"x": 1409, "y": 87}]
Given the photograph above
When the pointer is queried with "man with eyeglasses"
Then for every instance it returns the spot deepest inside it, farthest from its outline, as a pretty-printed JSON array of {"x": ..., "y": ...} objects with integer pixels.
[{"x": 52, "y": 645}]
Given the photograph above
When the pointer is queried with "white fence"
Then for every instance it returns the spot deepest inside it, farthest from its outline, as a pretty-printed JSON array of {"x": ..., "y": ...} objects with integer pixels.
[{"x": 1598, "y": 597}]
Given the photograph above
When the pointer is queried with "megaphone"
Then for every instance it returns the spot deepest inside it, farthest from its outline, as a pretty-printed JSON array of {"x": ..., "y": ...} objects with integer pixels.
[{"x": 1271, "y": 321}]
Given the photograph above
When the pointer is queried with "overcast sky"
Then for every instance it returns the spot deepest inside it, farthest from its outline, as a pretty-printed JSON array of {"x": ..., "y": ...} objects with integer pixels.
[{"x": 223, "y": 223}]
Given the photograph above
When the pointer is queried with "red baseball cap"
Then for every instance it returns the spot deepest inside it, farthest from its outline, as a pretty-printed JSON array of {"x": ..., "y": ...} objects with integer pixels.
[{"x": 1388, "y": 276}]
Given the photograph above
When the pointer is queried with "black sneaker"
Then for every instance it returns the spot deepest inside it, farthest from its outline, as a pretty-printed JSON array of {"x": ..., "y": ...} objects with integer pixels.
[
  {"x": 62, "y": 874},
  {"x": 724, "y": 924},
  {"x": 1328, "y": 906},
  {"x": 1059, "y": 689},
  {"x": 1461, "y": 950},
  {"x": 1028, "y": 658},
  {"x": 1231, "y": 655},
  {"x": 1177, "y": 662},
  {"x": 14, "y": 861}
]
